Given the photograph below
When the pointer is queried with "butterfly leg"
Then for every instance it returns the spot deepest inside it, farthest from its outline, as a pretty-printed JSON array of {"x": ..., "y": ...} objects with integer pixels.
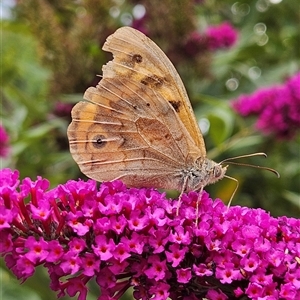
[
  {"x": 180, "y": 195},
  {"x": 237, "y": 185},
  {"x": 197, "y": 204}
]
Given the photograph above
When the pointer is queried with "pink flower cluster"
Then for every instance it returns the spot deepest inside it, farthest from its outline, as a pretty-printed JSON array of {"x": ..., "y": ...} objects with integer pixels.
[
  {"x": 277, "y": 108},
  {"x": 133, "y": 238},
  {"x": 222, "y": 36}
]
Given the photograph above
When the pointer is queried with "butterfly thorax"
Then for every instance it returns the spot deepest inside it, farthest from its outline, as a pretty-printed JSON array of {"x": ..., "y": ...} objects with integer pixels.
[{"x": 202, "y": 173}]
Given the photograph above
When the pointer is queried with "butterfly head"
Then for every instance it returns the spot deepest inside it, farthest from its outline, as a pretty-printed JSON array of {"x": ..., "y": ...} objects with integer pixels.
[
  {"x": 218, "y": 172},
  {"x": 215, "y": 171},
  {"x": 203, "y": 173}
]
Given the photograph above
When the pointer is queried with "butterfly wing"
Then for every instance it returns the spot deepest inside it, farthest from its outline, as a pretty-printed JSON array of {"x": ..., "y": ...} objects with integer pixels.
[
  {"x": 140, "y": 59},
  {"x": 138, "y": 124}
]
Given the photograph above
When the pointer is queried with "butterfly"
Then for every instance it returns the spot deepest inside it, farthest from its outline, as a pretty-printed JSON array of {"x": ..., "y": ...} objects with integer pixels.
[{"x": 138, "y": 125}]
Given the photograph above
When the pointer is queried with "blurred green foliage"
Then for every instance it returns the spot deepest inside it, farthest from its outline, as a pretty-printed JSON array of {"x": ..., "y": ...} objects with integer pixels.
[{"x": 51, "y": 52}]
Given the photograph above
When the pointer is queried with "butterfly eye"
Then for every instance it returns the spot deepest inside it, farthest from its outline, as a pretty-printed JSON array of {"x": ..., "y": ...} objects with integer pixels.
[{"x": 217, "y": 171}]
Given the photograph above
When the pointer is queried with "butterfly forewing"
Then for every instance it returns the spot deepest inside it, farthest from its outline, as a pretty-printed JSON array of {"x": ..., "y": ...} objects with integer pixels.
[{"x": 140, "y": 59}]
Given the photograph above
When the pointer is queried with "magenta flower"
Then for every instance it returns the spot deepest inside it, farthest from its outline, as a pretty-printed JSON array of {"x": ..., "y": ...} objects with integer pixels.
[
  {"x": 125, "y": 238},
  {"x": 277, "y": 108},
  {"x": 221, "y": 36},
  {"x": 184, "y": 275},
  {"x": 4, "y": 140}
]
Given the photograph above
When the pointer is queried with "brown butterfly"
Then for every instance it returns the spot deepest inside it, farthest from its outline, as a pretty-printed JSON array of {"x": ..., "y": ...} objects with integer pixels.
[{"x": 138, "y": 125}]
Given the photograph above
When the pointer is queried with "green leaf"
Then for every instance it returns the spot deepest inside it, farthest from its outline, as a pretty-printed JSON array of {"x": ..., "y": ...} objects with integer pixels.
[{"x": 221, "y": 125}]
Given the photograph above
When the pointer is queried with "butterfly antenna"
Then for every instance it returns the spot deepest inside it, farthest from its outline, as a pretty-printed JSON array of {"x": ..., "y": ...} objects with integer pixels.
[
  {"x": 243, "y": 156},
  {"x": 229, "y": 161},
  {"x": 257, "y": 167},
  {"x": 197, "y": 204}
]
